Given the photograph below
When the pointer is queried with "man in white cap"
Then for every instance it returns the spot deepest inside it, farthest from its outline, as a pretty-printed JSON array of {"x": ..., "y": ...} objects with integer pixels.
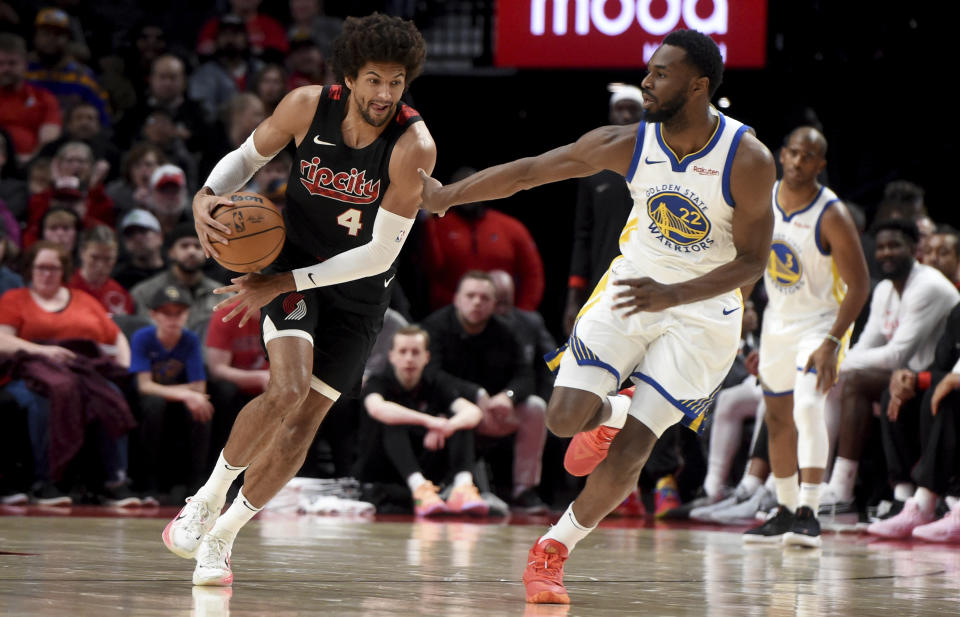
[
  {"x": 168, "y": 196},
  {"x": 142, "y": 243}
]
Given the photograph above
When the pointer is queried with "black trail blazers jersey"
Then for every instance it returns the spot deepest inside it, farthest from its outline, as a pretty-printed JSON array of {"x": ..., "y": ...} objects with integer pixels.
[{"x": 334, "y": 193}]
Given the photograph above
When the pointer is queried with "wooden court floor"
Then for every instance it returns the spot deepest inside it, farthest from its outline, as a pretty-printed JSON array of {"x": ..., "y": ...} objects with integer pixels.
[{"x": 311, "y": 565}]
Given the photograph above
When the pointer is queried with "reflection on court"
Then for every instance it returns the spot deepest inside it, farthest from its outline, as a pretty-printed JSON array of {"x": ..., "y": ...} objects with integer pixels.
[{"x": 315, "y": 565}]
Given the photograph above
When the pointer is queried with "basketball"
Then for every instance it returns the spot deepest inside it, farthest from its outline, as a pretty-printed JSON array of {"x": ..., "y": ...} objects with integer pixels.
[{"x": 258, "y": 232}]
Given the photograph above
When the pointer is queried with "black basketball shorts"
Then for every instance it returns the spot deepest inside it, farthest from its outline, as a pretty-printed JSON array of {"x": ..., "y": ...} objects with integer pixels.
[{"x": 341, "y": 339}]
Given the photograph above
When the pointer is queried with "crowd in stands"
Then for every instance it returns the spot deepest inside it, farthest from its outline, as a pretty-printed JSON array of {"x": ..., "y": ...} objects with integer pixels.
[{"x": 120, "y": 383}]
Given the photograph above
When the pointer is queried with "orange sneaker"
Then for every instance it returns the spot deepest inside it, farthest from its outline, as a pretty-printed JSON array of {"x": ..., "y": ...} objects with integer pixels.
[
  {"x": 587, "y": 449},
  {"x": 466, "y": 499},
  {"x": 543, "y": 578},
  {"x": 426, "y": 501}
]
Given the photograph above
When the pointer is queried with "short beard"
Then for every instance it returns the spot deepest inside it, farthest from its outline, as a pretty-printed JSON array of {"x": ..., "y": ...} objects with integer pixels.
[
  {"x": 901, "y": 270},
  {"x": 668, "y": 111},
  {"x": 370, "y": 120},
  {"x": 187, "y": 268}
]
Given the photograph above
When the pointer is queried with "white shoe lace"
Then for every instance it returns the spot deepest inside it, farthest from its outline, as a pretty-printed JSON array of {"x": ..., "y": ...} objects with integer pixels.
[
  {"x": 212, "y": 552},
  {"x": 195, "y": 517}
]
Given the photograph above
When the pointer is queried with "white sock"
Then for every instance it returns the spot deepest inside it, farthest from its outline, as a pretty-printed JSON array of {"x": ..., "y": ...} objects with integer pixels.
[
  {"x": 771, "y": 484},
  {"x": 843, "y": 478},
  {"x": 217, "y": 485},
  {"x": 237, "y": 515},
  {"x": 788, "y": 493},
  {"x": 713, "y": 484},
  {"x": 952, "y": 502},
  {"x": 619, "y": 406},
  {"x": 463, "y": 478},
  {"x": 568, "y": 530},
  {"x": 415, "y": 481},
  {"x": 810, "y": 495},
  {"x": 750, "y": 483},
  {"x": 926, "y": 499},
  {"x": 903, "y": 491}
]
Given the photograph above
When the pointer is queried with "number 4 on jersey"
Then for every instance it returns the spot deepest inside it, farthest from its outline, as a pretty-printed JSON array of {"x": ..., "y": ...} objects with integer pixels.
[{"x": 351, "y": 220}]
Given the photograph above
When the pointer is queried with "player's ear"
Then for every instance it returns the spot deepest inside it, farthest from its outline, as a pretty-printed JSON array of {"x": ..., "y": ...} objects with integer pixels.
[{"x": 701, "y": 84}]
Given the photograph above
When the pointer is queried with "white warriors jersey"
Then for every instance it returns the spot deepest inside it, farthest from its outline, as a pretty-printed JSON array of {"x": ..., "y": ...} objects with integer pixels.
[
  {"x": 801, "y": 278},
  {"x": 681, "y": 223}
]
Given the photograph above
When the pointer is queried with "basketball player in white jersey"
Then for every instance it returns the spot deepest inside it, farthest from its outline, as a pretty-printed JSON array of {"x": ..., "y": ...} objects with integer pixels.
[
  {"x": 817, "y": 283},
  {"x": 667, "y": 313}
]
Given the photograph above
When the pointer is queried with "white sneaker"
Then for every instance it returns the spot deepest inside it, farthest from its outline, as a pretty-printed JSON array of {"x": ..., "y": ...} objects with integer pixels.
[
  {"x": 182, "y": 535},
  {"x": 213, "y": 562},
  {"x": 705, "y": 513},
  {"x": 833, "y": 503},
  {"x": 762, "y": 500}
]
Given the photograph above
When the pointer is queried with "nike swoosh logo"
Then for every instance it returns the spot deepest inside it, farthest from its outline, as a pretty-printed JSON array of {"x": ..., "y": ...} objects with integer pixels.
[
  {"x": 310, "y": 276},
  {"x": 320, "y": 142},
  {"x": 649, "y": 162},
  {"x": 386, "y": 283},
  {"x": 729, "y": 311}
]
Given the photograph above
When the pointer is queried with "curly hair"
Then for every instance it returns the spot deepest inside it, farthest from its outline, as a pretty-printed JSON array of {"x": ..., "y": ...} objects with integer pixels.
[
  {"x": 378, "y": 38},
  {"x": 702, "y": 53}
]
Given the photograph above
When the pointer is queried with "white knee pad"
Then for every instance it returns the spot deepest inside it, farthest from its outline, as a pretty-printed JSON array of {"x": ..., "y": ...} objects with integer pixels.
[{"x": 808, "y": 414}]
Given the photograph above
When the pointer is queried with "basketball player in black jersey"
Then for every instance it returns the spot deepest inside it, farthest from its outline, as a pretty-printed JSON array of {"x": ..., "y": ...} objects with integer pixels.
[{"x": 352, "y": 197}]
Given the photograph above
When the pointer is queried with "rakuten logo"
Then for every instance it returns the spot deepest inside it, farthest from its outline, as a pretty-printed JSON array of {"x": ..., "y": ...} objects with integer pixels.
[{"x": 593, "y": 13}]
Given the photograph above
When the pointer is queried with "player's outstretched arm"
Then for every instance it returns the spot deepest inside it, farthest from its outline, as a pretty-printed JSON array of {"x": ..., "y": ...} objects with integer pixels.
[
  {"x": 608, "y": 147},
  {"x": 751, "y": 184},
  {"x": 290, "y": 120},
  {"x": 839, "y": 236}
]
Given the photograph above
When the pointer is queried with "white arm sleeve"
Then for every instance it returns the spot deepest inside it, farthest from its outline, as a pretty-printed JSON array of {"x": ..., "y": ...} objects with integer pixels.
[
  {"x": 235, "y": 169},
  {"x": 389, "y": 233}
]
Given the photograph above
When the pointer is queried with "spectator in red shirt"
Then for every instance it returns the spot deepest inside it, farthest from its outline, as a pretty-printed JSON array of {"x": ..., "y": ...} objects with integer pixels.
[
  {"x": 267, "y": 36},
  {"x": 98, "y": 256},
  {"x": 474, "y": 237},
  {"x": 31, "y": 114}
]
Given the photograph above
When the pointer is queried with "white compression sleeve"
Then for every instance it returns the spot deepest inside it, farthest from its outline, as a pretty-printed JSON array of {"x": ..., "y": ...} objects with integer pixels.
[
  {"x": 235, "y": 169},
  {"x": 389, "y": 233}
]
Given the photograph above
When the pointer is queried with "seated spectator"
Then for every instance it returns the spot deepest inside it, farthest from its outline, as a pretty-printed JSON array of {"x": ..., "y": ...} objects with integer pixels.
[
  {"x": 82, "y": 123},
  {"x": 160, "y": 130},
  {"x": 306, "y": 64},
  {"x": 237, "y": 367},
  {"x": 168, "y": 199},
  {"x": 186, "y": 272},
  {"x": 474, "y": 237},
  {"x": 470, "y": 343},
  {"x": 132, "y": 189},
  {"x": 168, "y": 363},
  {"x": 308, "y": 20},
  {"x": 422, "y": 430},
  {"x": 270, "y": 86},
  {"x": 266, "y": 35},
  {"x": 241, "y": 115},
  {"x": 943, "y": 253},
  {"x": 907, "y": 316},
  {"x": 8, "y": 278},
  {"x": 56, "y": 70},
  {"x": 142, "y": 248},
  {"x": 76, "y": 183},
  {"x": 219, "y": 79},
  {"x": 148, "y": 42},
  {"x": 61, "y": 226},
  {"x": 13, "y": 188},
  {"x": 29, "y": 113},
  {"x": 166, "y": 90},
  {"x": 61, "y": 391},
  {"x": 98, "y": 256},
  {"x": 920, "y": 443}
]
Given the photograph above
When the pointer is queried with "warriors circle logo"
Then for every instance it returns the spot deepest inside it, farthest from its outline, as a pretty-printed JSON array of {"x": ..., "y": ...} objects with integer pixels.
[
  {"x": 678, "y": 219},
  {"x": 784, "y": 267}
]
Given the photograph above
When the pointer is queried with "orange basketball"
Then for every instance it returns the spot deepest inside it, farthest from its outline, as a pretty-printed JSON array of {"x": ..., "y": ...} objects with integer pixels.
[{"x": 257, "y": 234}]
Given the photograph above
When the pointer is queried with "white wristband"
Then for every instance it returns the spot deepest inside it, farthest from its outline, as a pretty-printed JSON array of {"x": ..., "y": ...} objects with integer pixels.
[
  {"x": 389, "y": 233},
  {"x": 235, "y": 169}
]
